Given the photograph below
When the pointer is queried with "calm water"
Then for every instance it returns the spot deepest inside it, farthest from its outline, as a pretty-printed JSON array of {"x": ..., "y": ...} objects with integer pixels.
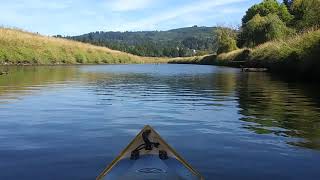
[{"x": 70, "y": 122}]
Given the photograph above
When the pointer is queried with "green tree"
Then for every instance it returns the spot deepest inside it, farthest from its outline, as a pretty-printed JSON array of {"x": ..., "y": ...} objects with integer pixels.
[
  {"x": 261, "y": 29},
  {"x": 226, "y": 40},
  {"x": 306, "y": 13},
  {"x": 268, "y": 7}
]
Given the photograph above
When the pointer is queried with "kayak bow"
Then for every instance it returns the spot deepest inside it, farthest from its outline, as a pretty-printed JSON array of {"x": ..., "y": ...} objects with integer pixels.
[{"x": 148, "y": 156}]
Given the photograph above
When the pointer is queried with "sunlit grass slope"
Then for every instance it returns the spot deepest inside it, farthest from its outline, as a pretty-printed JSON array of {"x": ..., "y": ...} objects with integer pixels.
[
  {"x": 20, "y": 47},
  {"x": 300, "y": 53}
]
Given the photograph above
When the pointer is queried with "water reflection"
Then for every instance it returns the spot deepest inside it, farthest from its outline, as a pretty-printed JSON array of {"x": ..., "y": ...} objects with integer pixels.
[
  {"x": 228, "y": 124},
  {"x": 279, "y": 108},
  {"x": 269, "y": 105},
  {"x": 27, "y": 80}
]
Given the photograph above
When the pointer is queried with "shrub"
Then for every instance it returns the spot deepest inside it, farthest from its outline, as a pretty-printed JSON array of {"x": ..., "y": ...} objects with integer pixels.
[
  {"x": 262, "y": 29},
  {"x": 226, "y": 40}
]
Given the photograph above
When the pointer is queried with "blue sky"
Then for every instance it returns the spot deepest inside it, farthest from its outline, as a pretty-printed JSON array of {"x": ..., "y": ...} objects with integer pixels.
[{"x": 73, "y": 17}]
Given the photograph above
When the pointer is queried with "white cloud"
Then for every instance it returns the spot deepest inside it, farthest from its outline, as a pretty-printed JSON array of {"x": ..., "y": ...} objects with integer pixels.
[
  {"x": 183, "y": 11},
  {"x": 81, "y": 16},
  {"x": 127, "y": 5}
]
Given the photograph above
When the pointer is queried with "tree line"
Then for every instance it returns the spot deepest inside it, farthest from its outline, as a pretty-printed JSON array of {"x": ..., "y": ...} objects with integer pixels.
[{"x": 181, "y": 42}]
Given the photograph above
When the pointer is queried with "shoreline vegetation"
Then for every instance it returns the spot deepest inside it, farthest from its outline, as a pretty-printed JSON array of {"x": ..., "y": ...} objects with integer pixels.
[
  {"x": 298, "y": 55},
  {"x": 282, "y": 37}
]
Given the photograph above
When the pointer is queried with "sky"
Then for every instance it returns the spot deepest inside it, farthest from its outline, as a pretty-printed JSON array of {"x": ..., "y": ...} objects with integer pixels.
[{"x": 75, "y": 17}]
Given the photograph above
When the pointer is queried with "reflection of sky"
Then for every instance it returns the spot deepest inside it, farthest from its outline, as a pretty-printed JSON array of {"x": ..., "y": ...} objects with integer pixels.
[
  {"x": 157, "y": 70},
  {"x": 70, "y": 17},
  {"x": 227, "y": 124}
]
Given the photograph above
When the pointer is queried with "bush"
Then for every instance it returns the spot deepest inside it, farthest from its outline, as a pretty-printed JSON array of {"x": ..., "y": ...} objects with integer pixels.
[
  {"x": 262, "y": 29},
  {"x": 226, "y": 40},
  {"x": 80, "y": 58}
]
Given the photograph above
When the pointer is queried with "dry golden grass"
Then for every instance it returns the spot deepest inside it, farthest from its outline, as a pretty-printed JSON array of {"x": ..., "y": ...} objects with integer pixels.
[
  {"x": 231, "y": 56},
  {"x": 20, "y": 47},
  {"x": 187, "y": 60}
]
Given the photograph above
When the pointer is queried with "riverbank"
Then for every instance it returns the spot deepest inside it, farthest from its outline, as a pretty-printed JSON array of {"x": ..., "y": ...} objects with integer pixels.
[
  {"x": 298, "y": 56},
  {"x": 18, "y": 47}
]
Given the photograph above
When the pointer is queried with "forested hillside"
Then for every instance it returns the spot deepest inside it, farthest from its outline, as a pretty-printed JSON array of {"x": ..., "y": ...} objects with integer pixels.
[{"x": 173, "y": 43}]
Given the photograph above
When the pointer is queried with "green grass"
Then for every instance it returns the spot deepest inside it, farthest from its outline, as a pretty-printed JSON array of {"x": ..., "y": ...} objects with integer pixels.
[
  {"x": 298, "y": 55},
  {"x": 20, "y": 47}
]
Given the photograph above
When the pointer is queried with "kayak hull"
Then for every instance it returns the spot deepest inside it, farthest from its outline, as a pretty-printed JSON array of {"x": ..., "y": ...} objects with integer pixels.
[
  {"x": 149, "y": 167},
  {"x": 159, "y": 161}
]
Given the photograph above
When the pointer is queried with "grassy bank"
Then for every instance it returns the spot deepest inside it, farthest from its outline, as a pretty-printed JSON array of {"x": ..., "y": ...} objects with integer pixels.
[
  {"x": 20, "y": 47},
  {"x": 298, "y": 55}
]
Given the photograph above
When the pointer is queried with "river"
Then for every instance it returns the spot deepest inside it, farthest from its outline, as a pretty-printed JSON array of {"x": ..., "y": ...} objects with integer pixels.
[{"x": 69, "y": 122}]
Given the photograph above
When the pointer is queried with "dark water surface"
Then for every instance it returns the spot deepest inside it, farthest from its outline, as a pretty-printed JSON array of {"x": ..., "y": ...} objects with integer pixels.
[{"x": 70, "y": 122}]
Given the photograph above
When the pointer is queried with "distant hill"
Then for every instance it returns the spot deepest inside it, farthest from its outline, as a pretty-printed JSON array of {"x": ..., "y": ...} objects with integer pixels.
[{"x": 181, "y": 42}]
